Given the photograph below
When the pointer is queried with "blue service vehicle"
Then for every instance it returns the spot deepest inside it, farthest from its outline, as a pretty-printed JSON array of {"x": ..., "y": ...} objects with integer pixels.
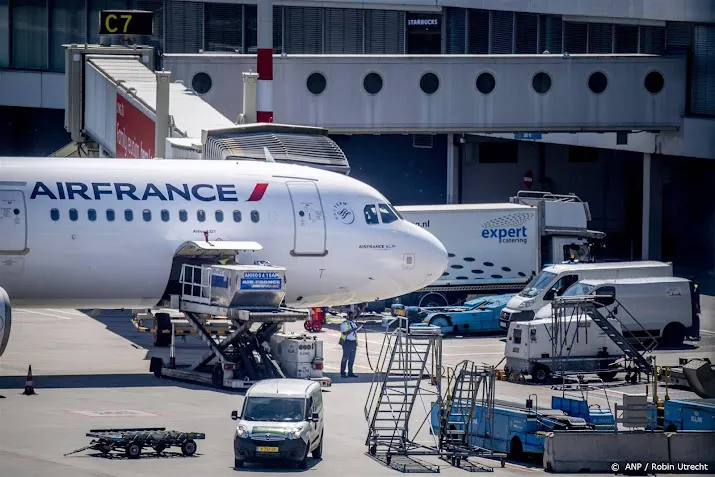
[
  {"x": 478, "y": 315},
  {"x": 517, "y": 430},
  {"x": 688, "y": 415}
]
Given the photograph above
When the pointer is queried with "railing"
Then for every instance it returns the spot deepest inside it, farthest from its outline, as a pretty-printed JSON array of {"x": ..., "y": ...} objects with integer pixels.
[{"x": 195, "y": 284}]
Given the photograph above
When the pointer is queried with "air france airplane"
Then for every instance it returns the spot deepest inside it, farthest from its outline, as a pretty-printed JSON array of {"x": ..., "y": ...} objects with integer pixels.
[{"x": 112, "y": 234}]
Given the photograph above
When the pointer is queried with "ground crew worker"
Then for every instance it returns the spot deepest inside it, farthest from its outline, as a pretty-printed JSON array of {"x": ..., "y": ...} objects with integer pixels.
[{"x": 348, "y": 340}]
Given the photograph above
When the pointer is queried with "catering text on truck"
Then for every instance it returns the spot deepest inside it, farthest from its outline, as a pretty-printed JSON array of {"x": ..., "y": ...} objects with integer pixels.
[{"x": 498, "y": 248}]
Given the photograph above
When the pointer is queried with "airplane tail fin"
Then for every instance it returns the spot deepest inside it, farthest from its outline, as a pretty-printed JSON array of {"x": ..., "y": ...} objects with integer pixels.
[{"x": 269, "y": 156}]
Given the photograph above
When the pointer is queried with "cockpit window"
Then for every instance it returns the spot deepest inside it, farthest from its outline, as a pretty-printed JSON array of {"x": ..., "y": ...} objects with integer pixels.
[
  {"x": 396, "y": 212},
  {"x": 371, "y": 214},
  {"x": 387, "y": 214}
]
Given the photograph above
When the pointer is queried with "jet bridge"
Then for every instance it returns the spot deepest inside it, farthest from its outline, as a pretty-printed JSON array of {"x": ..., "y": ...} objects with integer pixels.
[{"x": 116, "y": 101}]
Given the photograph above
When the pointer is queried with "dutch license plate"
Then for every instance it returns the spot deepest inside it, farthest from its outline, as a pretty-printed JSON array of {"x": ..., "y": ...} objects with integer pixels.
[{"x": 266, "y": 449}]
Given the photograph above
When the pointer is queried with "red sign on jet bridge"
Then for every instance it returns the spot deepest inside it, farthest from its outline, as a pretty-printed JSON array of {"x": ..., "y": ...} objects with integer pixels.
[{"x": 135, "y": 132}]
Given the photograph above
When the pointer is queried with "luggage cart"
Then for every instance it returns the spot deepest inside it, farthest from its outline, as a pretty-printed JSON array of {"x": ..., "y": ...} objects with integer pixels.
[{"x": 131, "y": 441}]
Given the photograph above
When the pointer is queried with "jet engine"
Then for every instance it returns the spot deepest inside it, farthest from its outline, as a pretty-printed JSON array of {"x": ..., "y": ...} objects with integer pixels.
[{"x": 5, "y": 320}]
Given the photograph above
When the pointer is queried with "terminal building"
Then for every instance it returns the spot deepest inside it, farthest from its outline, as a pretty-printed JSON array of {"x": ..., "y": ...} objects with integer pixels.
[{"x": 613, "y": 101}]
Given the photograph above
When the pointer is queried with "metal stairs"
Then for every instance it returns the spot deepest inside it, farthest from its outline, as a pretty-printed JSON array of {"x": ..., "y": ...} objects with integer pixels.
[
  {"x": 472, "y": 392},
  {"x": 592, "y": 306},
  {"x": 397, "y": 383}
]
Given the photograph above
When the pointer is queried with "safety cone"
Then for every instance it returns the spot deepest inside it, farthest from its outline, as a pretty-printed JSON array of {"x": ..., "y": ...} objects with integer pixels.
[{"x": 29, "y": 386}]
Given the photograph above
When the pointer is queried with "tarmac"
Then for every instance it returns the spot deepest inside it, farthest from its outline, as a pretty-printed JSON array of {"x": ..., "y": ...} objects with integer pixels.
[{"x": 91, "y": 370}]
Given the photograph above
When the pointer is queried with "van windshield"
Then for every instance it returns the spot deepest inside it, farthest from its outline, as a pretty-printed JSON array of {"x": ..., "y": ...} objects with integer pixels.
[
  {"x": 274, "y": 409},
  {"x": 578, "y": 289},
  {"x": 537, "y": 284}
]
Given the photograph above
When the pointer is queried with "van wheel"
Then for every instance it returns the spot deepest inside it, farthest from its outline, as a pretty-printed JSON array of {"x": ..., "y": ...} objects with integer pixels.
[
  {"x": 540, "y": 373},
  {"x": 318, "y": 451},
  {"x": 237, "y": 462},
  {"x": 673, "y": 334}
]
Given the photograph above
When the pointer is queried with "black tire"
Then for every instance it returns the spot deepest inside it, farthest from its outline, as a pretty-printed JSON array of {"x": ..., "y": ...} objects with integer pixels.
[
  {"x": 155, "y": 366},
  {"x": 673, "y": 335},
  {"x": 318, "y": 451},
  {"x": 163, "y": 323},
  {"x": 432, "y": 299},
  {"x": 607, "y": 376},
  {"x": 188, "y": 448},
  {"x": 217, "y": 376},
  {"x": 237, "y": 462},
  {"x": 540, "y": 374},
  {"x": 133, "y": 450},
  {"x": 516, "y": 451}
]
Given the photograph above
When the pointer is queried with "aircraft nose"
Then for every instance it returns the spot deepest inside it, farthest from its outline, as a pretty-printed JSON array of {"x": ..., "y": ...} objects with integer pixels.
[{"x": 432, "y": 256}]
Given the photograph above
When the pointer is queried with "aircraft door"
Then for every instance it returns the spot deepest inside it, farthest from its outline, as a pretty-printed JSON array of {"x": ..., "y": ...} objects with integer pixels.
[
  {"x": 309, "y": 219},
  {"x": 13, "y": 223}
]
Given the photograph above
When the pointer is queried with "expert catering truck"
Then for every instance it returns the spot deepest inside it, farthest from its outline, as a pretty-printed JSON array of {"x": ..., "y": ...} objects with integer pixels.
[{"x": 498, "y": 248}]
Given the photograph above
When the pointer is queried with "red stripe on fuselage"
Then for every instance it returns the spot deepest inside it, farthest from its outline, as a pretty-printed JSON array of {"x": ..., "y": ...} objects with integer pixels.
[{"x": 258, "y": 192}]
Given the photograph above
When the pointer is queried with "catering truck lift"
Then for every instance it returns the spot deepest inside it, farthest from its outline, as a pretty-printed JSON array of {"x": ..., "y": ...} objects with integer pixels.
[
  {"x": 254, "y": 349},
  {"x": 498, "y": 248}
]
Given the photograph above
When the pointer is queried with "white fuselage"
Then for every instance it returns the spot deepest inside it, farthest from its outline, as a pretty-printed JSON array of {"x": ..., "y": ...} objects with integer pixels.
[{"x": 58, "y": 246}]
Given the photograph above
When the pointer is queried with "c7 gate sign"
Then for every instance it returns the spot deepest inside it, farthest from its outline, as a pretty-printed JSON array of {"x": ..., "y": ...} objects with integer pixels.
[{"x": 135, "y": 132}]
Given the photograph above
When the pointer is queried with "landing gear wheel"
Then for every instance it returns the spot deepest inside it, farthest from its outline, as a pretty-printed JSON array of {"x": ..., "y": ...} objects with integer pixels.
[
  {"x": 188, "y": 448},
  {"x": 318, "y": 451},
  {"x": 237, "y": 463},
  {"x": 540, "y": 374},
  {"x": 133, "y": 450}
]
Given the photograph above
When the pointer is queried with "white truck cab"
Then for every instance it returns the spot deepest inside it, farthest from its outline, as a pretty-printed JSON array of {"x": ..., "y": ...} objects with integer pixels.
[
  {"x": 282, "y": 419},
  {"x": 662, "y": 307},
  {"x": 554, "y": 280}
]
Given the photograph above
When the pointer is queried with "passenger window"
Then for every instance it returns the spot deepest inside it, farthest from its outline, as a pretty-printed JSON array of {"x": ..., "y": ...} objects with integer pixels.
[
  {"x": 517, "y": 336},
  {"x": 563, "y": 284},
  {"x": 146, "y": 213},
  {"x": 165, "y": 215},
  {"x": 371, "y": 214},
  {"x": 183, "y": 216},
  {"x": 606, "y": 296},
  {"x": 236, "y": 215},
  {"x": 128, "y": 215},
  {"x": 92, "y": 215},
  {"x": 201, "y": 215},
  {"x": 110, "y": 215},
  {"x": 55, "y": 214},
  {"x": 254, "y": 216},
  {"x": 73, "y": 215},
  {"x": 387, "y": 214},
  {"x": 219, "y": 216}
]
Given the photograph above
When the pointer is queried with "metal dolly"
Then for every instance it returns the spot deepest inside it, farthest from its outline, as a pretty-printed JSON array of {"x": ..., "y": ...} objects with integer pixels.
[{"x": 131, "y": 441}]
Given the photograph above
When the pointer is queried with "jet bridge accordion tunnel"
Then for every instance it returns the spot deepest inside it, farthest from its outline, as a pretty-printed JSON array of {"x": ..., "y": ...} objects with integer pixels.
[{"x": 307, "y": 146}]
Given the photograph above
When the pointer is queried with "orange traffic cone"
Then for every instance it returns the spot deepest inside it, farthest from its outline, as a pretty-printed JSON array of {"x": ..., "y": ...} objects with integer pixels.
[{"x": 29, "y": 386}]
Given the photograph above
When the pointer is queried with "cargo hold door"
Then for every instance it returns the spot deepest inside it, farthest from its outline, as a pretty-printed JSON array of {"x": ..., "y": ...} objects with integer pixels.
[
  {"x": 13, "y": 222},
  {"x": 309, "y": 219}
]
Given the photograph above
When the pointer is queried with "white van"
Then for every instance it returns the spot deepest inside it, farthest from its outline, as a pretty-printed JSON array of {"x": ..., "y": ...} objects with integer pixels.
[
  {"x": 555, "y": 279},
  {"x": 282, "y": 419},
  {"x": 662, "y": 307}
]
